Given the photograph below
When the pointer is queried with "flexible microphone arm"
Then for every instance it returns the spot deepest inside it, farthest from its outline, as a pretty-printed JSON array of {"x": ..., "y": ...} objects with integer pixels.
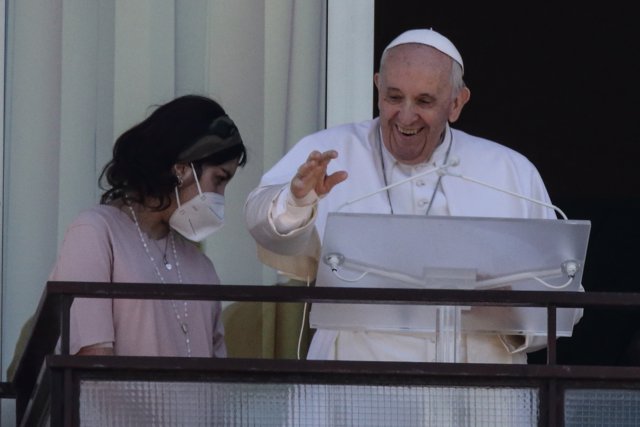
[
  {"x": 411, "y": 178},
  {"x": 444, "y": 171}
]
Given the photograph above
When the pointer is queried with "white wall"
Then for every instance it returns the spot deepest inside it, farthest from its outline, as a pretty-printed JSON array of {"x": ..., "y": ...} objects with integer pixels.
[{"x": 349, "y": 61}]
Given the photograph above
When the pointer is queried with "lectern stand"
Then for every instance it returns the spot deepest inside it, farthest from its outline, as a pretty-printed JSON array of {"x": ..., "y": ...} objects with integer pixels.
[{"x": 409, "y": 251}]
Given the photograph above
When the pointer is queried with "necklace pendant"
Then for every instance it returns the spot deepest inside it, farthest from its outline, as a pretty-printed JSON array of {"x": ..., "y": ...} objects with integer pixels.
[
  {"x": 168, "y": 265},
  {"x": 184, "y": 327}
]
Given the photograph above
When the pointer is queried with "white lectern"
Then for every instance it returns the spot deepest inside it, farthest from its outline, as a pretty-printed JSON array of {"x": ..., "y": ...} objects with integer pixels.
[{"x": 411, "y": 251}]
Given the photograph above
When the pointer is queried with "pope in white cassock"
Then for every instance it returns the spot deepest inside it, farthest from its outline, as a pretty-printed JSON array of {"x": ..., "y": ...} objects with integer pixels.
[{"x": 420, "y": 93}]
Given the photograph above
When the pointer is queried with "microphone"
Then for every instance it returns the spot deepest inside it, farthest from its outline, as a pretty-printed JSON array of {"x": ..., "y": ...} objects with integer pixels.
[
  {"x": 444, "y": 170},
  {"x": 455, "y": 161},
  {"x": 438, "y": 169}
]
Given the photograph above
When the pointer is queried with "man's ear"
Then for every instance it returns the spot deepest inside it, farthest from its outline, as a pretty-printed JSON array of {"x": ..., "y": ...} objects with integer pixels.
[{"x": 458, "y": 103}]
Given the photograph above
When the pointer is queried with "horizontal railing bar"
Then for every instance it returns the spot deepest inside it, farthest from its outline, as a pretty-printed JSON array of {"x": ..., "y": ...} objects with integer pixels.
[
  {"x": 346, "y": 295},
  {"x": 199, "y": 366}
]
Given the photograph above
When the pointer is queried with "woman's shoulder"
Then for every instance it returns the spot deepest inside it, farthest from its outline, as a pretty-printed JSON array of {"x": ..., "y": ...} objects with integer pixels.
[
  {"x": 100, "y": 213},
  {"x": 99, "y": 216}
]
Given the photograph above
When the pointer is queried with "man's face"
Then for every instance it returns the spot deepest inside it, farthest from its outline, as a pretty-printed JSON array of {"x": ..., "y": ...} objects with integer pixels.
[{"x": 415, "y": 101}]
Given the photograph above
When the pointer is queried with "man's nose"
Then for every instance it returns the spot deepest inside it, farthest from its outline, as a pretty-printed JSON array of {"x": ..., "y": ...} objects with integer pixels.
[{"x": 407, "y": 112}]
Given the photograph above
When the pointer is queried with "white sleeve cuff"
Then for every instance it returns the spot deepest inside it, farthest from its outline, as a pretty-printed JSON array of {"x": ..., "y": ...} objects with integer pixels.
[{"x": 289, "y": 213}]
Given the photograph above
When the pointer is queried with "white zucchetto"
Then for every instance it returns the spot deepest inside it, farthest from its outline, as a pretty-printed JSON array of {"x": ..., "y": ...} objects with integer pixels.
[{"x": 428, "y": 37}]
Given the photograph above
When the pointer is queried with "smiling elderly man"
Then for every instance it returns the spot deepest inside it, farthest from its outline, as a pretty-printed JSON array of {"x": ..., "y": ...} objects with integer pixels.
[{"x": 420, "y": 93}]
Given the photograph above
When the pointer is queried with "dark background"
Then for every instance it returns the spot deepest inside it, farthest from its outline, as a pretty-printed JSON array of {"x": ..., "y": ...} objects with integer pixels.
[{"x": 558, "y": 84}]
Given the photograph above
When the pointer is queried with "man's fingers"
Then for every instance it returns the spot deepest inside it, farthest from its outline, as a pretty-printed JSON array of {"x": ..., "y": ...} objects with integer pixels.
[
  {"x": 312, "y": 174},
  {"x": 316, "y": 164},
  {"x": 331, "y": 181}
]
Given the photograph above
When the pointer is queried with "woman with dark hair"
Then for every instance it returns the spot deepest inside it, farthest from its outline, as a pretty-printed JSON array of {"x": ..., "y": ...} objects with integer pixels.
[{"x": 164, "y": 190}]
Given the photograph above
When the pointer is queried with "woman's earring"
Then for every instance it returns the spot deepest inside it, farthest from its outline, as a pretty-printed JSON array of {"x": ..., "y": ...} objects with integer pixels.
[{"x": 179, "y": 178}]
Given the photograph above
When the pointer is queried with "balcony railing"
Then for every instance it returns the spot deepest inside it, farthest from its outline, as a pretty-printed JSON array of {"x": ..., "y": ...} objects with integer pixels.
[{"x": 63, "y": 390}]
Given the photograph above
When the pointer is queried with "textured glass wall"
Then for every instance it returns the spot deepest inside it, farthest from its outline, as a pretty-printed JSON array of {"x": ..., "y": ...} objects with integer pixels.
[
  {"x": 143, "y": 403},
  {"x": 597, "y": 407}
]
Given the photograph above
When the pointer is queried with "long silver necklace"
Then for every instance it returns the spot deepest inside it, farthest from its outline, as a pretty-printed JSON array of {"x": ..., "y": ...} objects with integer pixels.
[
  {"x": 183, "y": 322},
  {"x": 165, "y": 260},
  {"x": 384, "y": 171}
]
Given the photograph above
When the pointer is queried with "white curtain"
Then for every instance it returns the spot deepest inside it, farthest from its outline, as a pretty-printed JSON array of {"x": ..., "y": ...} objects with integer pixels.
[
  {"x": 80, "y": 72},
  {"x": 270, "y": 77}
]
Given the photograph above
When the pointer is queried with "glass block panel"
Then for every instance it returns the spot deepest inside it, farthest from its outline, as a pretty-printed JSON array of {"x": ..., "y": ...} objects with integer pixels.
[
  {"x": 601, "y": 407},
  {"x": 150, "y": 403}
]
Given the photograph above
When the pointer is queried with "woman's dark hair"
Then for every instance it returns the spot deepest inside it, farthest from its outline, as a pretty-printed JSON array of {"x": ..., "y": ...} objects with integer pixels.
[{"x": 143, "y": 156}]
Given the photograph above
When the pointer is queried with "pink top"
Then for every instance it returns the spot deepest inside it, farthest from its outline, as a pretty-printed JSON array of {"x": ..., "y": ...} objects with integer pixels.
[{"x": 103, "y": 245}]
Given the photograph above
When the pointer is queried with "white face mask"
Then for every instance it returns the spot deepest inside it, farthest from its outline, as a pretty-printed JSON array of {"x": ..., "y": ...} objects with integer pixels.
[{"x": 200, "y": 217}]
